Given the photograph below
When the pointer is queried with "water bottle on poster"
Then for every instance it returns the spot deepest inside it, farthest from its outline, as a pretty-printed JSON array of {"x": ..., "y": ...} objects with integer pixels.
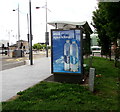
[
  {"x": 67, "y": 55},
  {"x": 74, "y": 56}
]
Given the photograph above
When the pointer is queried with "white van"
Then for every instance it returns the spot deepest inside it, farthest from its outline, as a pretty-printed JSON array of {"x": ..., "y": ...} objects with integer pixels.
[{"x": 95, "y": 49}]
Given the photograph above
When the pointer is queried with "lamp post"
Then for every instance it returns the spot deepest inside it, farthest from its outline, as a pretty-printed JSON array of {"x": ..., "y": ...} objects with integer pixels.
[
  {"x": 9, "y": 34},
  {"x": 30, "y": 36},
  {"x": 46, "y": 32},
  {"x": 18, "y": 25},
  {"x": 18, "y": 22}
]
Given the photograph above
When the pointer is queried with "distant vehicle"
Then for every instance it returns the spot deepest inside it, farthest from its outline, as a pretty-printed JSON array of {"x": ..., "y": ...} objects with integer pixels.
[
  {"x": 27, "y": 52},
  {"x": 4, "y": 52},
  {"x": 95, "y": 49}
]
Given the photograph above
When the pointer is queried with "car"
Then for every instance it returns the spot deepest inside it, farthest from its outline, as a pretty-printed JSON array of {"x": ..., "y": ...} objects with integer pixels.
[{"x": 27, "y": 52}]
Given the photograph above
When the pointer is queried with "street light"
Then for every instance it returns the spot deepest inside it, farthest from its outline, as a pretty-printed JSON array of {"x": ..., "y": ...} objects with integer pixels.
[
  {"x": 29, "y": 22},
  {"x": 18, "y": 22},
  {"x": 9, "y": 34},
  {"x": 30, "y": 36},
  {"x": 18, "y": 25},
  {"x": 46, "y": 33}
]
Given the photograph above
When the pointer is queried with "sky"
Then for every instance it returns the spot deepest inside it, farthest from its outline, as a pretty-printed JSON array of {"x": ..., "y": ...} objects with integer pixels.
[{"x": 58, "y": 10}]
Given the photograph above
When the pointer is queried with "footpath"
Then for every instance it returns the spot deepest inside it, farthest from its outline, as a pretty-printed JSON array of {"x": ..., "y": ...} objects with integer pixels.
[{"x": 20, "y": 78}]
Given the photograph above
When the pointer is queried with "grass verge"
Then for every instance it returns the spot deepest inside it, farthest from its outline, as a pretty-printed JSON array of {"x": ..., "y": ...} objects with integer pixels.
[{"x": 51, "y": 96}]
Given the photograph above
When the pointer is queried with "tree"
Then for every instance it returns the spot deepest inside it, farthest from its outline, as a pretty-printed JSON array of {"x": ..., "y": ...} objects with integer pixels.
[
  {"x": 37, "y": 46},
  {"x": 106, "y": 20},
  {"x": 113, "y": 25},
  {"x": 99, "y": 22}
]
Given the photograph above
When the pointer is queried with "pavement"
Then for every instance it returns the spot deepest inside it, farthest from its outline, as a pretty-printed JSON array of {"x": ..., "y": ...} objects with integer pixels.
[{"x": 21, "y": 78}]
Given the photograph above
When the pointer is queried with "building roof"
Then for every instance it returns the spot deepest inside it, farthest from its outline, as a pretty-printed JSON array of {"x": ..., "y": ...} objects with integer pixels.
[
  {"x": 22, "y": 41},
  {"x": 67, "y": 24},
  {"x": 13, "y": 45}
]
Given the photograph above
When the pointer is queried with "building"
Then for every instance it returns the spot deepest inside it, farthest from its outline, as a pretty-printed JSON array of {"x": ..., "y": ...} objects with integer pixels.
[
  {"x": 22, "y": 44},
  {"x": 4, "y": 42},
  {"x": 94, "y": 40}
]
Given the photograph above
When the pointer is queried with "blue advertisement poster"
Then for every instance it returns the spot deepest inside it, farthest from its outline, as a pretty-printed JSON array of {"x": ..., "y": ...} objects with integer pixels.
[{"x": 66, "y": 51}]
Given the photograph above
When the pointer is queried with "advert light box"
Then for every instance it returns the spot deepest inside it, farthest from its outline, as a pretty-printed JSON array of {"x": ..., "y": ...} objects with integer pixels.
[{"x": 66, "y": 51}]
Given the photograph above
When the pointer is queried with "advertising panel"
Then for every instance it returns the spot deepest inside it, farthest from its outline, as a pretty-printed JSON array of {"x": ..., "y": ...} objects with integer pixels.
[{"x": 66, "y": 51}]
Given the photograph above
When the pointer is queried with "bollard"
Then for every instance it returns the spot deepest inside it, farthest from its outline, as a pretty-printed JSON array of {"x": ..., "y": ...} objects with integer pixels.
[{"x": 91, "y": 79}]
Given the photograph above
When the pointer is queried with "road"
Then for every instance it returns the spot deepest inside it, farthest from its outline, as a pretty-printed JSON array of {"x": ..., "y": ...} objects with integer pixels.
[{"x": 7, "y": 62}]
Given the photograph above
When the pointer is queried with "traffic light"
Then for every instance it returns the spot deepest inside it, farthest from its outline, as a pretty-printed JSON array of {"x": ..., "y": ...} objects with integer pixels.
[
  {"x": 47, "y": 38},
  {"x": 3, "y": 45},
  {"x": 21, "y": 45},
  {"x": 8, "y": 44}
]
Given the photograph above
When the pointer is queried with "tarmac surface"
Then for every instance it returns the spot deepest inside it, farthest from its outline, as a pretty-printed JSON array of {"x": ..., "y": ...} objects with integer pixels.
[
  {"x": 21, "y": 78},
  {"x": 8, "y": 62}
]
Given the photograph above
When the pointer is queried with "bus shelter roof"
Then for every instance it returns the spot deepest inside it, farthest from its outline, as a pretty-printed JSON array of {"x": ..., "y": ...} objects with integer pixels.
[{"x": 67, "y": 25}]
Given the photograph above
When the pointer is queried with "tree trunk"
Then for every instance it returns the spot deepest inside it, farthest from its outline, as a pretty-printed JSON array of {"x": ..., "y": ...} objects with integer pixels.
[
  {"x": 106, "y": 56},
  {"x": 110, "y": 53},
  {"x": 116, "y": 53}
]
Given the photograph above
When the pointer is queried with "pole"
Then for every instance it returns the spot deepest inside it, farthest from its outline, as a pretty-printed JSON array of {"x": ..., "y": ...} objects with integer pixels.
[
  {"x": 46, "y": 36},
  {"x": 8, "y": 48},
  {"x": 46, "y": 15},
  {"x": 31, "y": 54},
  {"x": 18, "y": 27},
  {"x": 28, "y": 22},
  {"x": 28, "y": 37},
  {"x": 28, "y": 29},
  {"x": 18, "y": 24}
]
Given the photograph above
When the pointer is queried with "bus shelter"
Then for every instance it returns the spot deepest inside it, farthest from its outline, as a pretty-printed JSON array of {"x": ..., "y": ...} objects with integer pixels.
[{"x": 68, "y": 46}]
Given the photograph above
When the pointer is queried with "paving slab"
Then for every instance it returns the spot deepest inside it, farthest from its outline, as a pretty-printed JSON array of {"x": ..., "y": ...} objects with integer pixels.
[{"x": 22, "y": 77}]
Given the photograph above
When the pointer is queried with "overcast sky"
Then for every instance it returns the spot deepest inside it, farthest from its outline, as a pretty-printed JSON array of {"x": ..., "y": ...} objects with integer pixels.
[{"x": 60, "y": 10}]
